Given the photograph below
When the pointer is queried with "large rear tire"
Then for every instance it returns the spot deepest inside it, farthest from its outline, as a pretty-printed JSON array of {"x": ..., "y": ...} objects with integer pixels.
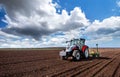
[
  {"x": 76, "y": 55},
  {"x": 86, "y": 53}
]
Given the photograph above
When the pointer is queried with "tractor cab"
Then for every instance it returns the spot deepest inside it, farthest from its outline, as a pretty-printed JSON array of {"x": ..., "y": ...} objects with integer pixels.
[{"x": 76, "y": 42}]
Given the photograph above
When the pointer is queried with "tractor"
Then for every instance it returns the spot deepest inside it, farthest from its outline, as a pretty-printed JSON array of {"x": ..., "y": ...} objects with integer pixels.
[{"x": 75, "y": 50}]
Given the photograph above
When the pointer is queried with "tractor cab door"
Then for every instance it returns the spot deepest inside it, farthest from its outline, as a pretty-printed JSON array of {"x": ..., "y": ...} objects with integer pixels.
[{"x": 81, "y": 43}]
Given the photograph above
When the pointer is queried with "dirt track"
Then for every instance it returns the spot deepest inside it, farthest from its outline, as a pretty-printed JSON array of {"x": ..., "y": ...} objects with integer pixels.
[{"x": 46, "y": 63}]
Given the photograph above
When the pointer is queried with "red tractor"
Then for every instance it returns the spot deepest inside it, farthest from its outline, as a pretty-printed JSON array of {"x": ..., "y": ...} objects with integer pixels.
[{"x": 75, "y": 50}]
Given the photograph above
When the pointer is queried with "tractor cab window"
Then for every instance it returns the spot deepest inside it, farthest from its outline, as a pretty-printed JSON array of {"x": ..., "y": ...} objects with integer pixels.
[
  {"x": 74, "y": 42},
  {"x": 82, "y": 42}
]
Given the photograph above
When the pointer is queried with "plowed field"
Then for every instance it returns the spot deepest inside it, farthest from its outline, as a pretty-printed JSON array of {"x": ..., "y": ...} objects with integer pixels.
[{"x": 46, "y": 63}]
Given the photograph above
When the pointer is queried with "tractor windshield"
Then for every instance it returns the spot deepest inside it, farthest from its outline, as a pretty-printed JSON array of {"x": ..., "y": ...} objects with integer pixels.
[
  {"x": 78, "y": 42},
  {"x": 74, "y": 42}
]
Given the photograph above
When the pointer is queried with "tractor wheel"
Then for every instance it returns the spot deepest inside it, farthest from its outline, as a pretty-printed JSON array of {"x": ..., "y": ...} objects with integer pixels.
[
  {"x": 76, "y": 55},
  {"x": 86, "y": 53}
]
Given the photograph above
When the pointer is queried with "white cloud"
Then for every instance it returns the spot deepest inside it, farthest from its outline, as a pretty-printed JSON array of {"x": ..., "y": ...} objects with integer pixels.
[
  {"x": 41, "y": 19},
  {"x": 118, "y": 3},
  {"x": 9, "y": 43},
  {"x": 105, "y": 30},
  {"x": 38, "y": 19}
]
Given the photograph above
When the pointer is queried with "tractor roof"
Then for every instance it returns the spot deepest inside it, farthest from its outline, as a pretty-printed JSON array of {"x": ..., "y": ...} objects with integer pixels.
[
  {"x": 82, "y": 39},
  {"x": 76, "y": 39},
  {"x": 79, "y": 39}
]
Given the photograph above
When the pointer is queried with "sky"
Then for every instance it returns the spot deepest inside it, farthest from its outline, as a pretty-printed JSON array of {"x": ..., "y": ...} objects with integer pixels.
[{"x": 50, "y": 23}]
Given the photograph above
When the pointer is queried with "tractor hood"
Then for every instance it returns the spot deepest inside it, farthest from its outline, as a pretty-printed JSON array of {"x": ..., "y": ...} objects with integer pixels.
[{"x": 71, "y": 48}]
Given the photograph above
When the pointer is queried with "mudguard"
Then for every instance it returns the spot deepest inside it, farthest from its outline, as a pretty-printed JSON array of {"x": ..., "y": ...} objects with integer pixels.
[{"x": 84, "y": 47}]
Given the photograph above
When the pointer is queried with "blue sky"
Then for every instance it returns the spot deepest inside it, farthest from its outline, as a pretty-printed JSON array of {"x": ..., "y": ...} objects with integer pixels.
[
  {"x": 65, "y": 20},
  {"x": 2, "y": 13},
  {"x": 94, "y": 9}
]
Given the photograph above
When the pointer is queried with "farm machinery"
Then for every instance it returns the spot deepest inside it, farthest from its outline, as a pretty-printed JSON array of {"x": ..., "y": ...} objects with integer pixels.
[
  {"x": 75, "y": 50},
  {"x": 94, "y": 53}
]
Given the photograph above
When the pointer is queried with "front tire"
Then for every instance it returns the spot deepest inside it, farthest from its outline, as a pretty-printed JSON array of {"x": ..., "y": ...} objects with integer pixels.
[{"x": 76, "y": 55}]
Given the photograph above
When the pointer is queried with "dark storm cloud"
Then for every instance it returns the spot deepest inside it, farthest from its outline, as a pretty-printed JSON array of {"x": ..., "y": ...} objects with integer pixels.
[
  {"x": 24, "y": 7},
  {"x": 35, "y": 32},
  {"x": 106, "y": 31}
]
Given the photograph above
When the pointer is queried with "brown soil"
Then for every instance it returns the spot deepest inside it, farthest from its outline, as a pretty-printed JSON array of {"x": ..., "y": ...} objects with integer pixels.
[{"x": 46, "y": 63}]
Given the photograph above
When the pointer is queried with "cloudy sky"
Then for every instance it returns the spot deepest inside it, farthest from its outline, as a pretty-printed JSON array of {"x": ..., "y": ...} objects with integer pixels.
[{"x": 46, "y": 23}]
